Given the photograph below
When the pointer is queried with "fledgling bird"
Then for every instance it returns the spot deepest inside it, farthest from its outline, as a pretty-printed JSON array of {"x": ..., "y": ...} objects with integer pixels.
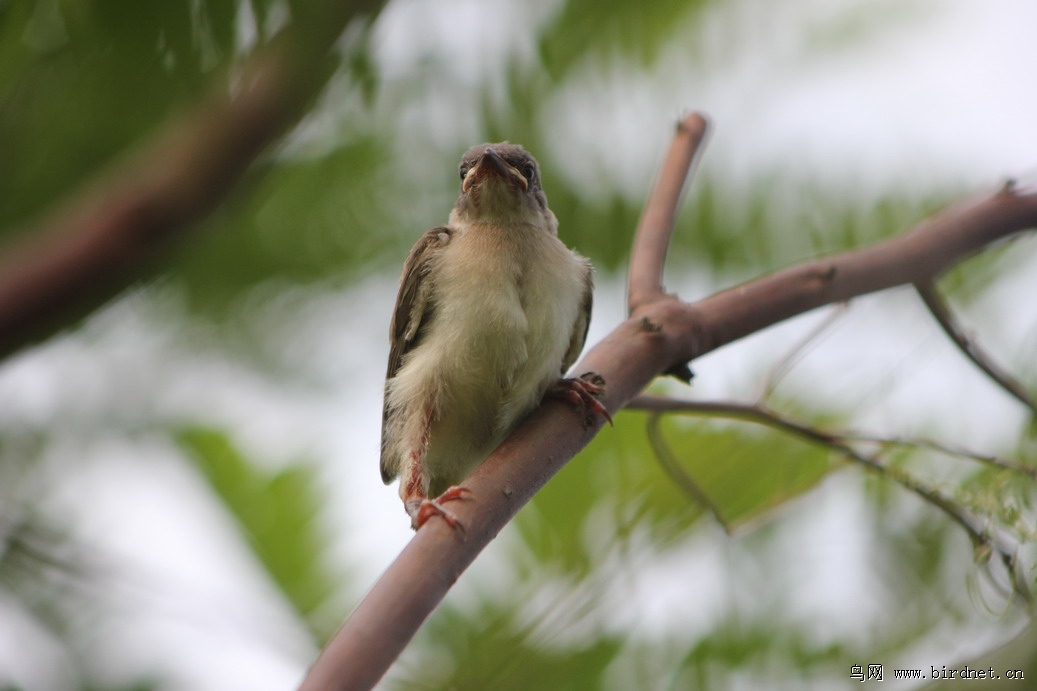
[{"x": 492, "y": 310}]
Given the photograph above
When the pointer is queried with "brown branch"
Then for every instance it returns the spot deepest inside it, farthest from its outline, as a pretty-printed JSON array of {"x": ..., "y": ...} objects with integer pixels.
[
  {"x": 732, "y": 411},
  {"x": 662, "y": 333},
  {"x": 918, "y": 255},
  {"x": 761, "y": 414},
  {"x": 114, "y": 231},
  {"x": 652, "y": 239},
  {"x": 942, "y": 313}
]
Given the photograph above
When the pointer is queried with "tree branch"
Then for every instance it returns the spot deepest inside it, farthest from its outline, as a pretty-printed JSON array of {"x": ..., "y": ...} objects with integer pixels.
[
  {"x": 114, "y": 231},
  {"x": 652, "y": 239},
  {"x": 993, "y": 461},
  {"x": 661, "y": 333},
  {"x": 672, "y": 467},
  {"x": 942, "y": 313},
  {"x": 918, "y": 255},
  {"x": 981, "y": 538},
  {"x": 761, "y": 414}
]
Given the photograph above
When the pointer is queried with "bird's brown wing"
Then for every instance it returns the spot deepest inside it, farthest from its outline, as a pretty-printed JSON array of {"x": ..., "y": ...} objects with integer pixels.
[
  {"x": 412, "y": 312},
  {"x": 583, "y": 321}
]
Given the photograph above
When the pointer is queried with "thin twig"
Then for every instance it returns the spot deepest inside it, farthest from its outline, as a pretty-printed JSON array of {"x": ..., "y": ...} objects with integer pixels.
[
  {"x": 682, "y": 479},
  {"x": 796, "y": 353},
  {"x": 652, "y": 239},
  {"x": 746, "y": 412},
  {"x": 761, "y": 415},
  {"x": 945, "y": 318},
  {"x": 947, "y": 450}
]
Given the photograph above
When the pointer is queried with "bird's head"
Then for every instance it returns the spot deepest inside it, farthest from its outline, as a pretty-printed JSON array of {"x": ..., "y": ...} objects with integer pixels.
[{"x": 501, "y": 183}]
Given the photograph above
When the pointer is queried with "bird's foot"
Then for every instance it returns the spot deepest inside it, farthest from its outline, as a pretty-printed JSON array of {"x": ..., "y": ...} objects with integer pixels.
[
  {"x": 423, "y": 509},
  {"x": 583, "y": 392}
]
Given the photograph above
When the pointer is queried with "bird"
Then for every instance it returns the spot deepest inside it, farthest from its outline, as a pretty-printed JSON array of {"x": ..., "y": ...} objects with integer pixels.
[{"x": 492, "y": 311}]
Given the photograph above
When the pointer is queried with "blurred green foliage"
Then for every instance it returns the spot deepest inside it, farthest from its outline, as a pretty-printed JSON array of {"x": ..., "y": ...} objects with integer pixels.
[
  {"x": 80, "y": 83},
  {"x": 746, "y": 472},
  {"x": 304, "y": 220},
  {"x": 488, "y": 649},
  {"x": 278, "y": 514},
  {"x": 84, "y": 83},
  {"x": 582, "y": 31}
]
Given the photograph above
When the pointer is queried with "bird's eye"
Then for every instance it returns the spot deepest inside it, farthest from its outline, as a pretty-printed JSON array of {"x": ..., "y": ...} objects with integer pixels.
[
  {"x": 529, "y": 172},
  {"x": 463, "y": 171}
]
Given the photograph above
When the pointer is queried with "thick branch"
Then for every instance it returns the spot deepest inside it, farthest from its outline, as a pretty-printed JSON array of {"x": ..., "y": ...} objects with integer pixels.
[
  {"x": 113, "y": 232},
  {"x": 942, "y": 313},
  {"x": 652, "y": 240},
  {"x": 661, "y": 334},
  {"x": 918, "y": 255}
]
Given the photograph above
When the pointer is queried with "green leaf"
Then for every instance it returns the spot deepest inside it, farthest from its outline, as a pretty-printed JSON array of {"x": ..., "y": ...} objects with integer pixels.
[
  {"x": 746, "y": 471},
  {"x": 278, "y": 515}
]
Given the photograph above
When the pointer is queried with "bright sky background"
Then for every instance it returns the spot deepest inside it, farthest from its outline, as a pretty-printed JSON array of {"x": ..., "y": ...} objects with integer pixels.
[{"x": 943, "y": 94}]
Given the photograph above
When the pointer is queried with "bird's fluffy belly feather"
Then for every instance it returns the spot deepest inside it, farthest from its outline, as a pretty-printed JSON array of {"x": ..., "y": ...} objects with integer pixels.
[{"x": 488, "y": 358}]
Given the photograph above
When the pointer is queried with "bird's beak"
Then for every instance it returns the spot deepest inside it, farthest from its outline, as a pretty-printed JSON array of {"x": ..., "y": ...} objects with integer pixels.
[{"x": 492, "y": 165}]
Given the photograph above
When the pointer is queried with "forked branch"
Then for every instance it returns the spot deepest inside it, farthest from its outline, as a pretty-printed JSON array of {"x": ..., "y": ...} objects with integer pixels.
[
  {"x": 662, "y": 334},
  {"x": 983, "y": 539}
]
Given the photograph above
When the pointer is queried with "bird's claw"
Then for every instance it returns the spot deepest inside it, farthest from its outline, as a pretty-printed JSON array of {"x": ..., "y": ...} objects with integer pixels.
[
  {"x": 434, "y": 507},
  {"x": 583, "y": 392}
]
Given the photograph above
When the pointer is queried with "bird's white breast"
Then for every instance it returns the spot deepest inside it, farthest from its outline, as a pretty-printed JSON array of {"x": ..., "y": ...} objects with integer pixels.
[{"x": 506, "y": 304}]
